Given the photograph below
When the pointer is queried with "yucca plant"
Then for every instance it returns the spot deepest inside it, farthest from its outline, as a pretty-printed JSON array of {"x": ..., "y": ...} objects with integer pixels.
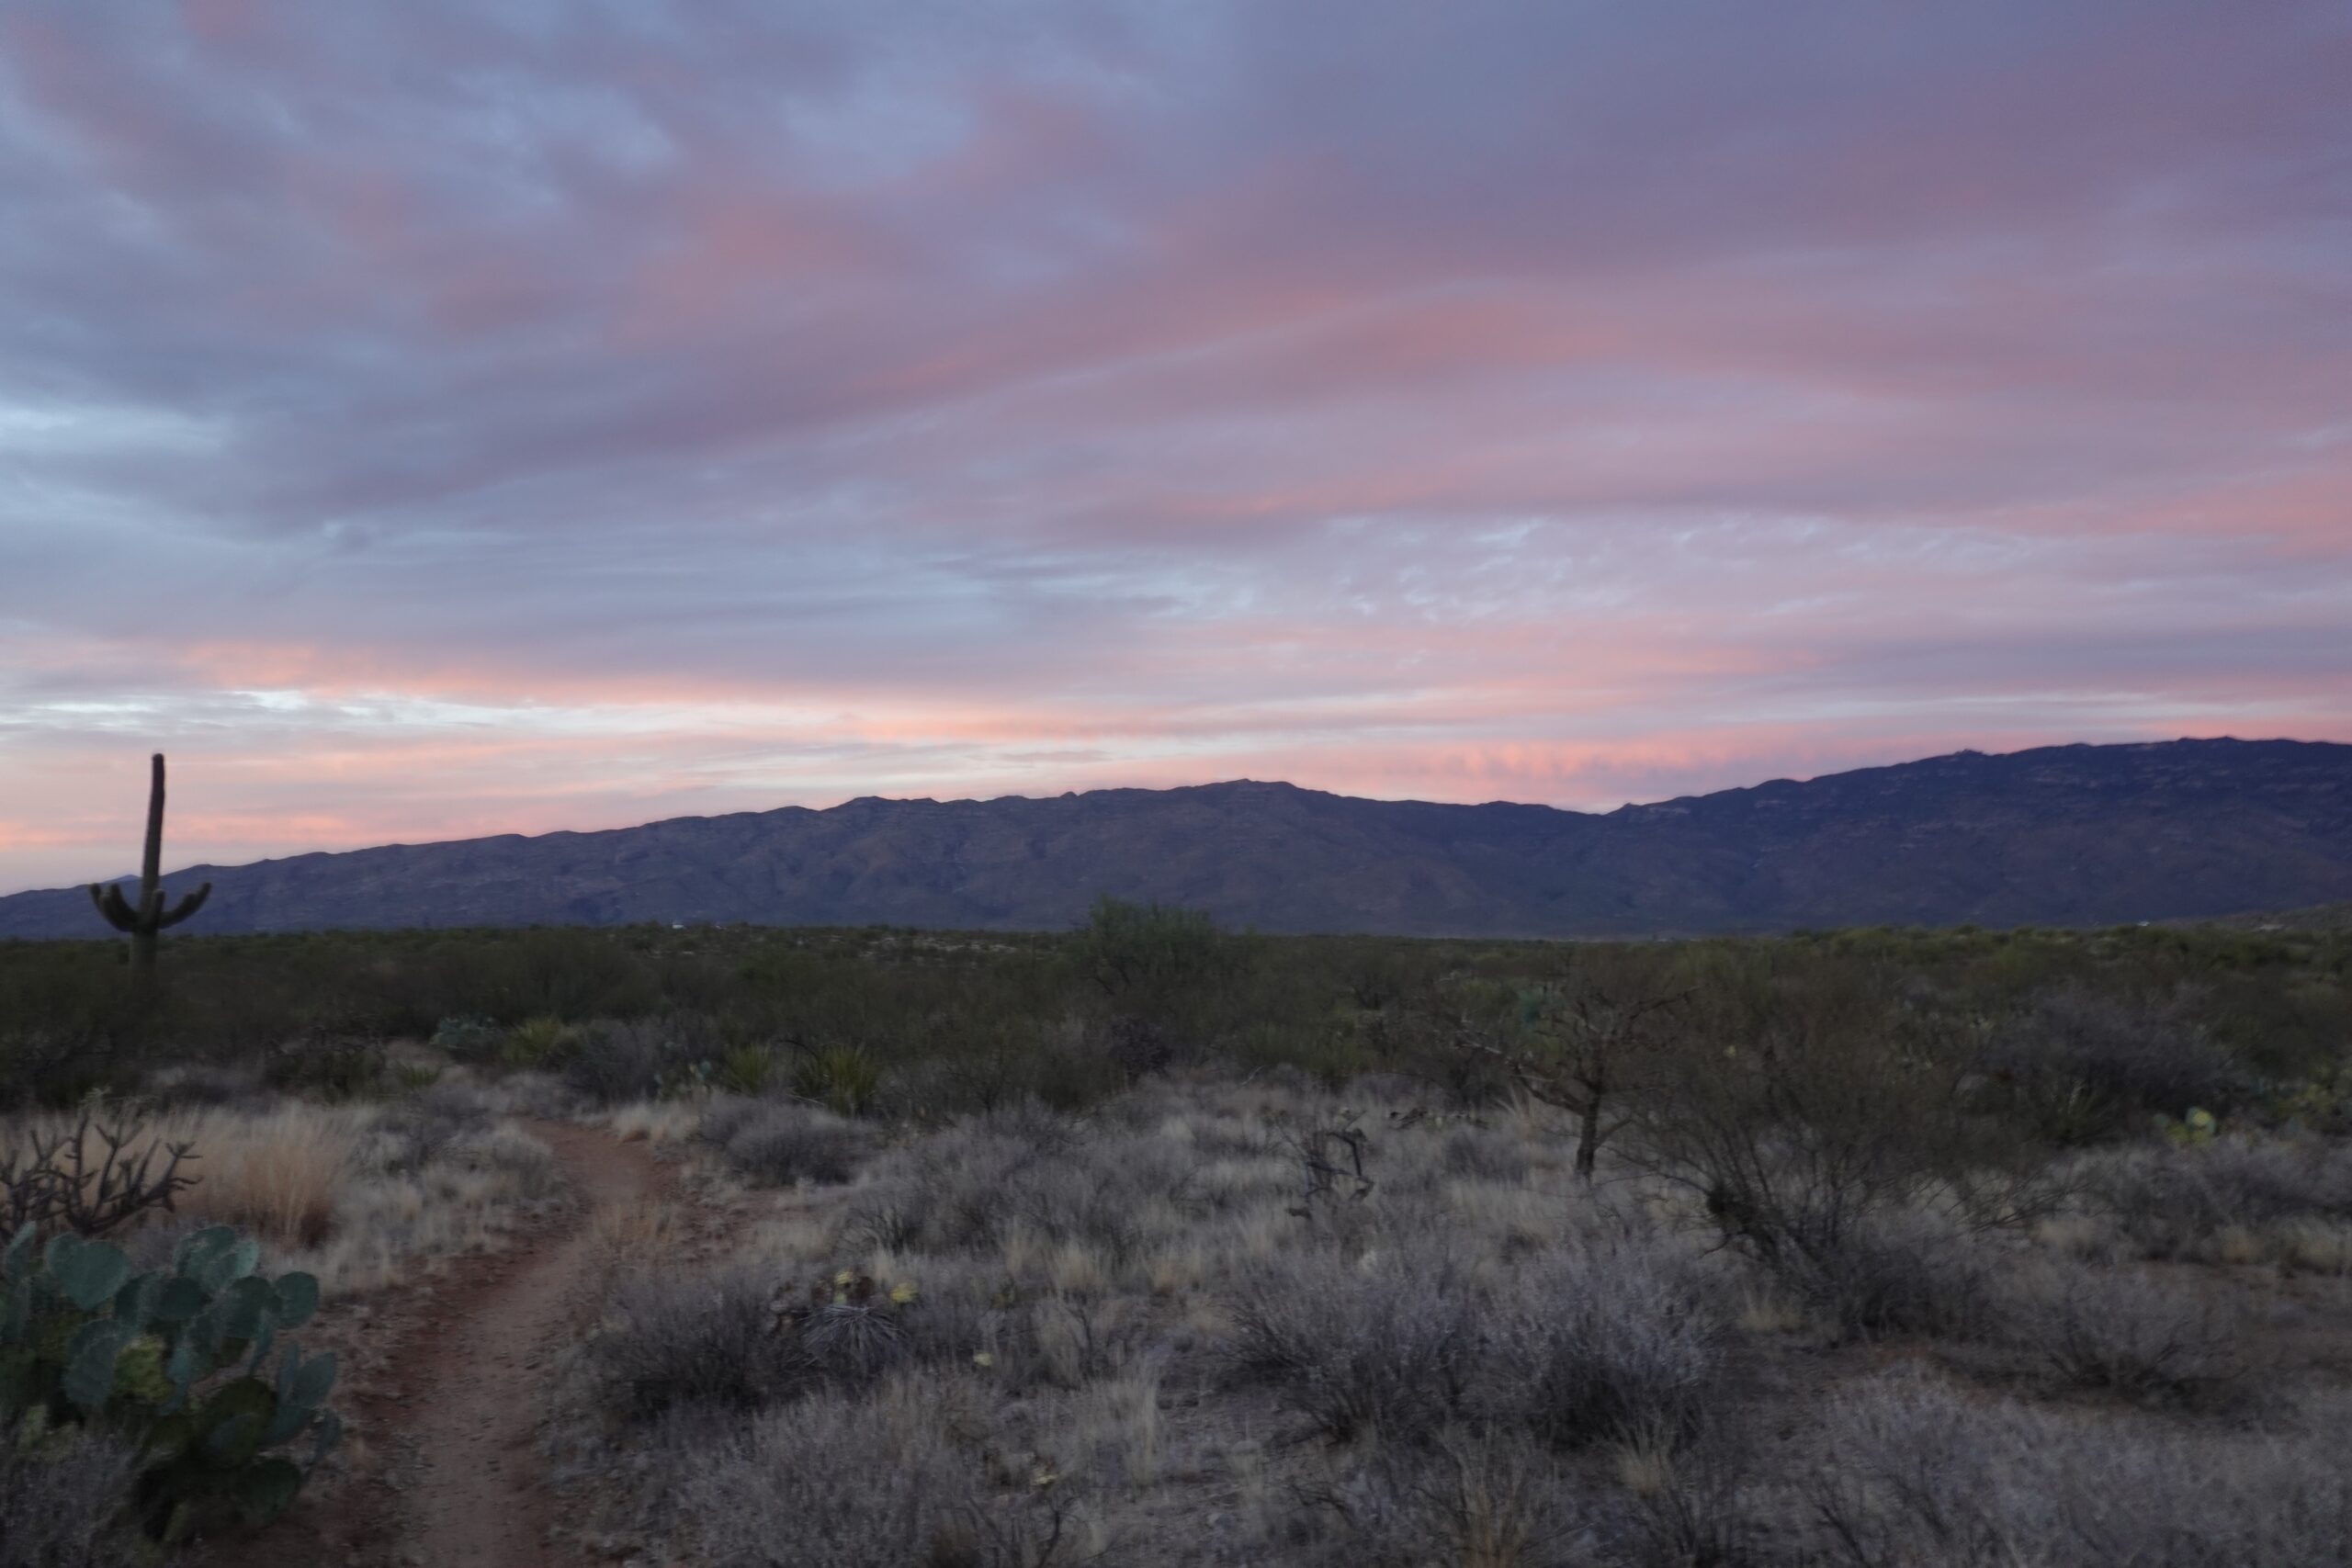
[
  {"x": 842, "y": 1079},
  {"x": 746, "y": 1070},
  {"x": 848, "y": 1326},
  {"x": 536, "y": 1042}
]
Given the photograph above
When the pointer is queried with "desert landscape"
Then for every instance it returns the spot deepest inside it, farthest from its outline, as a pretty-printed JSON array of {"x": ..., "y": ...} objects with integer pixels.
[
  {"x": 1175, "y": 783},
  {"x": 1154, "y": 1243}
]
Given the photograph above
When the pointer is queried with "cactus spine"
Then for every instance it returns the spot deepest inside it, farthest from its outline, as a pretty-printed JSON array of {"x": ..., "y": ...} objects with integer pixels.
[{"x": 149, "y": 917}]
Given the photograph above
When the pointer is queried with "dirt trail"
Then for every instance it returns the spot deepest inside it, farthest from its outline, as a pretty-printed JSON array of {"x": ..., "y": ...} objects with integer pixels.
[
  {"x": 477, "y": 1500},
  {"x": 455, "y": 1418}
]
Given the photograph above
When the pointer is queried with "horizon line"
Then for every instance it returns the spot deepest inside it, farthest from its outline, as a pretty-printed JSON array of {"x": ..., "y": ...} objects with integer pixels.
[{"x": 1175, "y": 789}]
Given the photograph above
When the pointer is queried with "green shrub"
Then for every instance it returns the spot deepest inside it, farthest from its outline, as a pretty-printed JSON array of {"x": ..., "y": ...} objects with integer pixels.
[
  {"x": 466, "y": 1036},
  {"x": 745, "y": 1070},
  {"x": 842, "y": 1079},
  {"x": 616, "y": 1062},
  {"x": 329, "y": 1070},
  {"x": 535, "y": 1044},
  {"x": 1165, "y": 966}
]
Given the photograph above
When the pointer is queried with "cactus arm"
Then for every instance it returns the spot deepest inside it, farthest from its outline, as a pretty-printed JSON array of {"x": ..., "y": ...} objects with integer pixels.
[
  {"x": 185, "y": 908},
  {"x": 109, "y": 900},
  {"x": 151, "y": 868}
]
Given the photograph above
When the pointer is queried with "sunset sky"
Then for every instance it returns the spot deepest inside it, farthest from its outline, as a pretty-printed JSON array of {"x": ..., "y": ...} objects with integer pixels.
[{"x": 458, "y": 416}]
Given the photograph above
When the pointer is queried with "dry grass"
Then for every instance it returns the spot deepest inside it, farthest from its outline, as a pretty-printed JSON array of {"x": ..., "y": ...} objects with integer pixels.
[
  {"x": 1138, "y": 1326},
  {"x": 60, "y": 1496},
  {"x": 358, "y": 1194},
  {"x": 2235, "y": 1200},
  {"x": 655, "y": 1122},
  {"x": 393, "y": 1217},
  {"x": 1914, "y": 1474},
  {"x": 277, "y": 1173}
]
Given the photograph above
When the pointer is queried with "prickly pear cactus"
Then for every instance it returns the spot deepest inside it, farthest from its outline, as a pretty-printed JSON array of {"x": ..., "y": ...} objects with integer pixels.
[{"x": 179, "y": 1360}]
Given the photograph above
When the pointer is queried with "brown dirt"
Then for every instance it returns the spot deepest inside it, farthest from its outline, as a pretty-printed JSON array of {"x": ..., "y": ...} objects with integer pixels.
[{"x": 448, "y": 1473}]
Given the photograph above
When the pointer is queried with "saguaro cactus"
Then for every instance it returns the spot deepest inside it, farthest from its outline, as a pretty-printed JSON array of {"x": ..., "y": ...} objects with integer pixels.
[{"x": 149, "y": 917}]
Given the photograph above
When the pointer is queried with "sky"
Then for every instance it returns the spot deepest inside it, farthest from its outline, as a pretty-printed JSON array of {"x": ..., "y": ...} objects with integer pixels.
[{"x": 447, "y": 417}]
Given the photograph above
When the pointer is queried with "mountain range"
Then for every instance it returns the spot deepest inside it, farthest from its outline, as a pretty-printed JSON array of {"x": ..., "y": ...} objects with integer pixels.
[{"x": 2068, "y": 835}]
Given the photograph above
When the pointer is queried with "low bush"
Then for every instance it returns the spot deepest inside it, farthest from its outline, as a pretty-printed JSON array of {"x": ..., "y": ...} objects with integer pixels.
[
  {"x": 1020, "y": 1171},
  {"x": 2117, "y": 1331},
  {"x": 1849, "y": 1168},
  {"x": 835, "y": 1484},
  {"x": 777, "y": 1145},
  {"x": 673, "y": 1343},
  {"x": 1387, "y": 1345},
  {"x": 2173, "y": 1200},
  {"x": 1914, "y": 1475},
  {"x": 2082, "y": 1067},
  {"x": 427, "y": 1122},
  {"x": 1610, "y": 1343},
  {"x": 612, "y": 1063},
  {"x": 61, "y": 1500},
  {"x": 1479, "y": 1498},
  {"x": 1906, "y": 1272}
]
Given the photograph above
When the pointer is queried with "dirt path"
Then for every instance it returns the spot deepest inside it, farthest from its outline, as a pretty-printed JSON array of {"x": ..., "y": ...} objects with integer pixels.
[
  {"x": 454, "y": 1419},
  {"x": 476, "y": 1500}
]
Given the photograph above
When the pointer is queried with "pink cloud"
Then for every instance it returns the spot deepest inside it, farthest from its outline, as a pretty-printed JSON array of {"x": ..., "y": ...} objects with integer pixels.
[{"x": 450, "y": 419}]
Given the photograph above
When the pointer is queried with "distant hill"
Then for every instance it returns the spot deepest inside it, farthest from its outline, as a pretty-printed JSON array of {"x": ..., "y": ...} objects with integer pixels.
[{"x": 2069, "y": 835}]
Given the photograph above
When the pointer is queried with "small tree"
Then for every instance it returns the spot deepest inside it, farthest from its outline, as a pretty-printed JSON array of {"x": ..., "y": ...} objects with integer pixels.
[
  {"x": 149, "y": 917},
  {"x": 1144, "y": 954},
  {"x": 1578, "y": 1043}
]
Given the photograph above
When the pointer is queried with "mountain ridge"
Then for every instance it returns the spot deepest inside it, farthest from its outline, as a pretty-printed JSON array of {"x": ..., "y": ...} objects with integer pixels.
[{"x": 2078, "y": 834}]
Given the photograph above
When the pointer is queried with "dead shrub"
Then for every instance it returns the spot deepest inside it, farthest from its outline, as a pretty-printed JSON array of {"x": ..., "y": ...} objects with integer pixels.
[
  {"x": 1388, "y": 1345},
  {"x": 1608, "y": 1343},
  {"x": 2114, "y": 1330},
  {"x": 779, "y": 1145},
  {"x": 1906, "y": 1272},
  {"x": 2173, "y": 1200},
  {"x": 1696, "y": 1508},
  {"x": 1484, "y": 1155},
  {"x": 1476, "y": 1499},
  {"x": 430, "y": 1121},
  {"x": 832, "y": 1482},
  {"x": 1913, "y": 1475},
  {"x": 612, "y": 1062},
  {"x": 983, "y": 1183},
  {"x": 1817, "y": 1153},
  {"x": 62, "y": 1499},
  {"x": 670, "y": 1343}
]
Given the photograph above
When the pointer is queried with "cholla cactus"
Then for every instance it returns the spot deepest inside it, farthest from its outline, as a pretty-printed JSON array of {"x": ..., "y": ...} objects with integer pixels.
[{"x": 149, "y": 917}]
